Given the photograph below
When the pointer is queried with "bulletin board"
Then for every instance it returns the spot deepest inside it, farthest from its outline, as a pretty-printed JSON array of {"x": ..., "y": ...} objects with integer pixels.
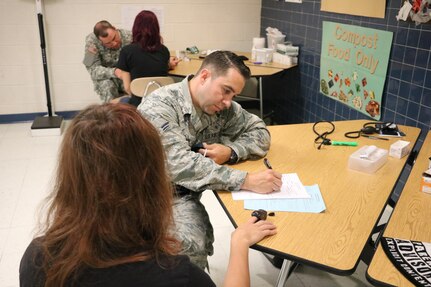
[
  {"x": 353, "y": 66},
  {"x": 368, "y": 8}
]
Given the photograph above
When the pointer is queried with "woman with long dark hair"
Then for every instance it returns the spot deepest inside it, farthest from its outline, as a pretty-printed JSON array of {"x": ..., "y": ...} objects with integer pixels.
[
  {"x": 109, "y": 215},
  {"x": 146, "y": 56}
]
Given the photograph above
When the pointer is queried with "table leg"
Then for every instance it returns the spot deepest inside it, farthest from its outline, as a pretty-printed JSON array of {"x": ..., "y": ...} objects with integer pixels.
[
  {"x": 262, "y": 115},
  {"x": 284, "y": 273},
  {"x": 261, "y": 97}
]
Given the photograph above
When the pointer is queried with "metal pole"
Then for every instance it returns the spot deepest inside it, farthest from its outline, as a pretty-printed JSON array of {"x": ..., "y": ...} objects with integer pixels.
[
  {"x": 42, "y": 125},
  {"x": 44, "y": 62}
]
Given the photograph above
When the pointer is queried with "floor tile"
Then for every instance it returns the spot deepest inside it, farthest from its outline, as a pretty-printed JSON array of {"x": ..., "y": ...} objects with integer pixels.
[
  {"x": 9, "y": 269},
  {"x": 8, "y": 202},
  {"x": 18, "y": 130},
  {"x": 313, "y": 277},
  {"x": 4, "y": 232},
  {"x": 12, "y": 173},
  {"x": 217, "y": 215},
  {"x": 18, "y": 239},
  {"x": 28, "y": 209},
  {"x": 16, "y": 148}
]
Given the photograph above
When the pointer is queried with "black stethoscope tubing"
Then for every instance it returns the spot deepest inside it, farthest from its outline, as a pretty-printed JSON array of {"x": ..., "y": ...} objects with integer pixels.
[{"x": 323, "y": 136}]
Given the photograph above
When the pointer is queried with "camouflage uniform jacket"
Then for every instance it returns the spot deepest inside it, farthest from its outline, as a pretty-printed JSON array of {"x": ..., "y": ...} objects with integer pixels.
[
  {"x": 181, "y": 125},
  {"x": 101, "y": 61}
]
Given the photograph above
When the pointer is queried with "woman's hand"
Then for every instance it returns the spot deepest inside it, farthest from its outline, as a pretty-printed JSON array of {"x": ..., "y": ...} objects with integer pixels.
[{"x": 252, "y": 232}]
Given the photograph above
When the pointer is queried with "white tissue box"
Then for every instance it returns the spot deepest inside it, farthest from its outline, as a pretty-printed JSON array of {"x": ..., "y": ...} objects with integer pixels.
[
  {"x": 399, "y": 149},
  {"x": 284, "y": 59},
  {"x": 368, "y": 159}
]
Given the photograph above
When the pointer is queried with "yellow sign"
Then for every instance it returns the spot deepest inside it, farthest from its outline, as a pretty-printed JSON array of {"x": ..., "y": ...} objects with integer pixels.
[{"x": 368, "y": 8}]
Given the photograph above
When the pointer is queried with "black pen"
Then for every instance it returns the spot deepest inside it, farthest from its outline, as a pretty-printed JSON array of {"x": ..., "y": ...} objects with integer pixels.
[
  {"x": 267, "y": 164},
  {"x": 375, "y": 138}
]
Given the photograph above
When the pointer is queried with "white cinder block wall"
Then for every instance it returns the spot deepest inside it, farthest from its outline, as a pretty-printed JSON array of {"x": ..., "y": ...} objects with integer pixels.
[{"x": 208, "y": 24}]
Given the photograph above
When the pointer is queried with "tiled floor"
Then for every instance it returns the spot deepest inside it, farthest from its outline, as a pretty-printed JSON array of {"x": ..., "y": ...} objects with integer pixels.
[{"x": 26, "y": 167}]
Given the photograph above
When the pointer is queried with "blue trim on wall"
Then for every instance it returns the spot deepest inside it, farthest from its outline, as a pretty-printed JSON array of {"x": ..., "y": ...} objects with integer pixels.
[{"x": 14, "y": 118}]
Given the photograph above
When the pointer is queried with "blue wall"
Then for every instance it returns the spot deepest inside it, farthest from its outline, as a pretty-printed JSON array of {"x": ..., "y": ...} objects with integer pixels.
[
  {"x": 294, "y": 94},
  {"x": 407, "y": 91}
]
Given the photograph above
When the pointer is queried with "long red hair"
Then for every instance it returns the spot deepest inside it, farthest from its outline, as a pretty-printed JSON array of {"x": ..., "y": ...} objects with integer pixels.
[
  {"x": 146, "y": 31},
  {"x": 112, "y": 201}
]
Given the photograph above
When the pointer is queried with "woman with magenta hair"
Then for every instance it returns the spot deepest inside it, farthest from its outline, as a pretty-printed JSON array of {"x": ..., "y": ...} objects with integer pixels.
[
  {"x": 109, "y": 216},
  {"x": 146, "y": 56}
]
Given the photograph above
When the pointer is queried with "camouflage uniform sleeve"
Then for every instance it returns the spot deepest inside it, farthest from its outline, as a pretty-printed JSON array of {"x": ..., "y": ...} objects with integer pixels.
[
  {"x": 93, "y": 62},
  {"x": 187, "y": 168},
  {"x": 245, "y": 133}
]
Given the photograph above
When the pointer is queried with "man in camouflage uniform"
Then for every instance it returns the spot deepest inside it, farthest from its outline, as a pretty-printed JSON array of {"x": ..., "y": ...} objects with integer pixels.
[
  {"x": 102, "y": 49},
  {"x": 201, "y": 129}
]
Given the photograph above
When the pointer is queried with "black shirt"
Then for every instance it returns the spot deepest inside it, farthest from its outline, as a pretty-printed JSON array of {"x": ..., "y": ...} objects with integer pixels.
[
  {"x": 139, "y": 63},
  {"x": 143, "y": 273}
]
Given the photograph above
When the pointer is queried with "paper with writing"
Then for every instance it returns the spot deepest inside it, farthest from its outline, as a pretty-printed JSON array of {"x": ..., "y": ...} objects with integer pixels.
[{"x": 291, "y": 188}]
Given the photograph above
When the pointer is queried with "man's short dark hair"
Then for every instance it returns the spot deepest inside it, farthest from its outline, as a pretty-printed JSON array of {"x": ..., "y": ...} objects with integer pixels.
[
  {"x": 219, "y": 62},
  {"x": 101, "y": 27}
]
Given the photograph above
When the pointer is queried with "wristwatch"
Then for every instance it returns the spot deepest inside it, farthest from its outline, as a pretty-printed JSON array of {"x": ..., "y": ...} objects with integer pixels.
[{"x": 233, "y": 157}]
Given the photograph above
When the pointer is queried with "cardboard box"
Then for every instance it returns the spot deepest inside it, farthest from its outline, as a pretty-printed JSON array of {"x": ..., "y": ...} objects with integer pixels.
[{"x": 399, "y": 149}]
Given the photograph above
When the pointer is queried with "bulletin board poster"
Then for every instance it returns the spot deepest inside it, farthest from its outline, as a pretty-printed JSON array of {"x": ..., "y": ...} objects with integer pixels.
[
  {"x": 353, "y": 65},
  {"x": 367, "y": 8}
]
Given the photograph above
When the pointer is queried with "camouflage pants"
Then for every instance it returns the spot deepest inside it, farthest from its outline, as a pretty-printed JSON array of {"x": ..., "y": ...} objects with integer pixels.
[
  {"x": 193, "y": 229},
  {"x": 109, "y": 89}
]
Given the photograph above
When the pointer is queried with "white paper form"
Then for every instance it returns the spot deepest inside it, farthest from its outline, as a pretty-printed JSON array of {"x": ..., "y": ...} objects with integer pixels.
[
  {"x": 315, "y": 204},
  {"x": 292, "y": 187}
]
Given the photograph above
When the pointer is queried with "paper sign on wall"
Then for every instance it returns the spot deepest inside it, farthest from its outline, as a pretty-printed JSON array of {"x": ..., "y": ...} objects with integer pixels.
[
  {"x": 129, "y": 12},
  {"x": 353, "y": 66},
  {"x": 367, "y": 8}
]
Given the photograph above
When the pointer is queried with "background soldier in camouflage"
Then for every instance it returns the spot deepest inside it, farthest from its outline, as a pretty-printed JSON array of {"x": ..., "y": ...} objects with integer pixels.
[
  {"x": 102, "y": 49},
  {"x": 198, "y": 114}
]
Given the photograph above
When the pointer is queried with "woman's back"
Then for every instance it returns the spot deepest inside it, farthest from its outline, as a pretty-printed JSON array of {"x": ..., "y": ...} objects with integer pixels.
[
  {"x": 179, "y": 271},
  {"x": 140, "y": 63}
]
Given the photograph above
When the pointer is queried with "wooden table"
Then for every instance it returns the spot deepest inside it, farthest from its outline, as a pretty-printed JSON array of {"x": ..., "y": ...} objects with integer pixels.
[
  {"x": 411, "y": 220},
  {"x": 332, "y": 240},
  {"x": 185, "y": 68}
]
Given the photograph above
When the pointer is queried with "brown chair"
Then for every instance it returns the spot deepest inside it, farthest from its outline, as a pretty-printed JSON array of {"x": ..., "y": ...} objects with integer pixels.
[{"x": 141, "y": 87}]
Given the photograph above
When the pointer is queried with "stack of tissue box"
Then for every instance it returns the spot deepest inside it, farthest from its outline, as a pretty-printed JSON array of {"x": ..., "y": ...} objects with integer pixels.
[
  {"x": 274, "y": 37},
  {"x": 284, "y": 52}
]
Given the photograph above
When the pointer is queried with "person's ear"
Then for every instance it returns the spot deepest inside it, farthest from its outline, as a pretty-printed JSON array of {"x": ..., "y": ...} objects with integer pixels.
[{"x": 205, "y": 74}]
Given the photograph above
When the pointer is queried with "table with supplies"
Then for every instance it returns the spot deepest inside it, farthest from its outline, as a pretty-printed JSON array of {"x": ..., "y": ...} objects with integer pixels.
[{"x": 332, "y": 240}]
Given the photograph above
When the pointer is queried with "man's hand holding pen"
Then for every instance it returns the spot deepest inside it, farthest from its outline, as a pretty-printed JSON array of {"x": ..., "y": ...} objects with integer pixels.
[{"x": 265, "y": 181}]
